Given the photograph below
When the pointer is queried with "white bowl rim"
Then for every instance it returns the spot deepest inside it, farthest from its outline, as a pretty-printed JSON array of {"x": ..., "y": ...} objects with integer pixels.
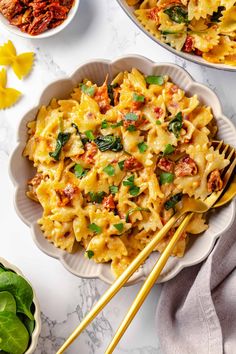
[
  {"x": 59, "y": 254},
  {"x": 49, "y": 33},
  {"x": 193, "y": 58},
  {"x": 37, "y": 329}
]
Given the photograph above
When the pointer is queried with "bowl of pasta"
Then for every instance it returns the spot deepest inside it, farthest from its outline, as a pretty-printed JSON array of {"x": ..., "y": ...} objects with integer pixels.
[
  {"x": 201, "y": 31},
  {"x": 105, "y": 156}
]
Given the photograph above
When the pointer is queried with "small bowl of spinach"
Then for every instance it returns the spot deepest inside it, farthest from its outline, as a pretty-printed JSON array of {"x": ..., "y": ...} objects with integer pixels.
[{"x": 20, "y": 322}]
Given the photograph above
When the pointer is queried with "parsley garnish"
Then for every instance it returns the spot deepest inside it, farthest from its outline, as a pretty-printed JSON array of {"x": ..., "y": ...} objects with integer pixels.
[
  {"x": 166, "y": 177},
  {"x": 96, "y": 197},
  {"x": 176, "y": 124},
  {"x": 95, "y": 228},
  {"x": 155, "y": 80},
  {"x": 129, "y": 181},
  {"x": 142, "y": 147},
  {"x": 121, "y": 165},
  {"x": 170, "y": 203},
  {"x": 109, "y": 170},
  {"x": 90, "y": 253},
  {"x": 133, "y": 189},
  {"x": 62, "y": 139},
  {"x": 104, "y": 124},
  {"x": 168, "y": 149},
  {"x": 80, "y": 171},
  {"x": 138, "y": 98},
  {"x": 119, "y": 227}
]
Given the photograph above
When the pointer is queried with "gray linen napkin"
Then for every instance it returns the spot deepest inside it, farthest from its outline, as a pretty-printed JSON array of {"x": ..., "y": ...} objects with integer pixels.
[{"x": 196, "y": 313}]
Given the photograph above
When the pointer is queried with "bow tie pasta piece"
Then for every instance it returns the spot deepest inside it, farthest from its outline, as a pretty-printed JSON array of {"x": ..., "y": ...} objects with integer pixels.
[
  {"x": 202, "y": 8},
  {"x": 21, "y": 64},
  {"x": 228, "y": 20},
  {"x": 8, "y": 96}
]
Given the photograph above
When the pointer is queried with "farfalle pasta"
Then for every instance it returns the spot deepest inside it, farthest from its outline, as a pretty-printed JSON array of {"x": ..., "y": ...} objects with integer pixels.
[
  {"x": 206, "y": 28},
  {"x": 113, "y": 161}
]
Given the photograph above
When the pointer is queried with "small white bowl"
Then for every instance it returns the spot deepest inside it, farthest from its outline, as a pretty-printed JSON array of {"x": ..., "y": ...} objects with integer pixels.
[
  {"x": 37, "y": 329},
  {"x": 49, "y": 33},
  {"x": 21, "y": 170}
]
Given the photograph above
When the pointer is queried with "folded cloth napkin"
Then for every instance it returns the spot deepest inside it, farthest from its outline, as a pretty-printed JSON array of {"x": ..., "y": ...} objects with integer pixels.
[{"x": 196, "y": 313}]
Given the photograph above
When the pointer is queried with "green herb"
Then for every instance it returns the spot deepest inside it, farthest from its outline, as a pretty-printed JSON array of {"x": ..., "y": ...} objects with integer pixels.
[
  {"x": 168, "y": 149},
  {"x": 108, "y": 142},
  {"x": 29, "y": 324},
  {"x": 90, "y": 254},
  {"x": 121, "y": 164},
  {"x": 134, "y": 191},
  {"x": 177, "y": 14},
  {"x": 104, "y": 124},
  {"x": 88, "y": 90},
  {"x": 169, "y": 32},
  {"x": 119, "y": 227},
  {"x": 96, "y": 197},
  {"x": 109, "y": 170},
  {"x": 113, "y": 189},
  {"x": 76, "y": 128},
  {"x": 176, "y": 124},
  {"x": 20, "y": 289},
  {"x": 158, "y": 122},
  {"x": 89, "y": 134},
  {"x": 129, "y": 181},
  {"x": 169, "y": 204},
  {"x": 62, "y": 139},
  {"x": 131, "y": 128},
  {"x": 155, "y": 80},
  {"x": 138, "y": 98},
  {"x": 133, "y": 210},
  {"x": 7, "y": 303},
  {"x": 80, "y": 171},
  {"x": 14, "y": 335},
  {"x": 118, "y": 124},
  {"x": 110, "y": 90},
  {"x": 166, "y": 177},
  {"x": 217, "y": 14},
  {"x": 131, "y": 116},
  {"x": 95, "y": 228},
  {"x": 142, "y": 147}
]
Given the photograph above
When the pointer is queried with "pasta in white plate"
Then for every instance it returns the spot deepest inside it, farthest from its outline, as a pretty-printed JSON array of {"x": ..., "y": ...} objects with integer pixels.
[{"x": 114, "y": 160}]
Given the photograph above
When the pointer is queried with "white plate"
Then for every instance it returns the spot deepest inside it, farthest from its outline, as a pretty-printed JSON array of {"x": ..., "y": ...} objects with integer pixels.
[
  {"x": 51, "y": 32},
  {"x": 37, "y": 329},
  {"x": 21, "y": 169},
  {"x": 129, "y": 10}
]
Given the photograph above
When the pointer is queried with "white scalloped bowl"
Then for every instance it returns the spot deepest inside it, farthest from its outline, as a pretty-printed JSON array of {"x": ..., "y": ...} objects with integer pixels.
[
  {"x": 49, "y": 33},
  {"x": 21, "y": 169},
  {"x": 37, "y": 329},
  {"x": 129, "y": 10}
]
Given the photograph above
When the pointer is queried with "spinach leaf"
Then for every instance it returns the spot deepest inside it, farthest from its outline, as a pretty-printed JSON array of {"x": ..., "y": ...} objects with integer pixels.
[
  {"x": 170, "y": 203},
  {"x": 61, "y": 141},
  {"x": 217, "y": 14},
  {"x": 7, "y": 302},
  {"x": 14, "y": 337},
  {"x": 119, "y": 227},
  {"x": 176, "y": 124},
  {"x": 29, "y": 324},
  {"x": 20, "y": 289},
  {"x": 177, "y": 14},
  {"x": 108, "y": 142}
]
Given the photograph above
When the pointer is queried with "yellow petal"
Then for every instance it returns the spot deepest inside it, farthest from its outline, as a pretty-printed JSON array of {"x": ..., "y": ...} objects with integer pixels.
[
  {"x": 3, "y": 78},
  {"x": 8, "y": 97},
  {"x": 7, "y": 53},
  {"x": 22, "y": 64}
]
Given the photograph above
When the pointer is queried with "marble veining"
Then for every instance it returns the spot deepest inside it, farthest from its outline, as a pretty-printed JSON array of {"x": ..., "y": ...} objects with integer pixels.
[{"x": 100, "y": 29}]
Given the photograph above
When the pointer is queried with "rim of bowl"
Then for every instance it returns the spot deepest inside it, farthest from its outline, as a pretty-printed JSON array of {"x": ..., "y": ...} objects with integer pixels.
[
  {"x": 37, "y": 329},
  {"x": 49, "y": 33},
  {"x": 190, "y": 57}
]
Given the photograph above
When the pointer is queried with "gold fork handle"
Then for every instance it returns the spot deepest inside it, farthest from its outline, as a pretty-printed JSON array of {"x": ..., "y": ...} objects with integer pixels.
[
  {"x": 115, "y": 287},
  {"x": 148, "y": 284}
]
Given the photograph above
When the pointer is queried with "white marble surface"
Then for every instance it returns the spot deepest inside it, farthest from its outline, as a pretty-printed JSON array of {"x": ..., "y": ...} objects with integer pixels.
[{"x": 100, "y": 29}]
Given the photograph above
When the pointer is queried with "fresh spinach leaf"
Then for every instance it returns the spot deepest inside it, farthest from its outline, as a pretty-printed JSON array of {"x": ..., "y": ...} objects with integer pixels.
[
  {"x": 177, "y": 14},
  {"x": 170, "y": 203},
  {"x": 108, "y": 142},
  {"x": 14, "y": 337},
  {"x": 21, "y": 291},
  {"x": 7, "y": 302},
  {"x": 61, "y": 141}
]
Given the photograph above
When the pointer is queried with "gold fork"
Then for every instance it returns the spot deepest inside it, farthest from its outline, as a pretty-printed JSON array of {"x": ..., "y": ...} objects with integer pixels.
[
  {"x": 156, "y": 271},
  {"x": 188, "y": 205}
]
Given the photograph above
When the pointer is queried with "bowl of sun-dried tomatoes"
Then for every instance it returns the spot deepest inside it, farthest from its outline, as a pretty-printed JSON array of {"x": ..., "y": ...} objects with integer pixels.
[{"x": 37, "y": 18}]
